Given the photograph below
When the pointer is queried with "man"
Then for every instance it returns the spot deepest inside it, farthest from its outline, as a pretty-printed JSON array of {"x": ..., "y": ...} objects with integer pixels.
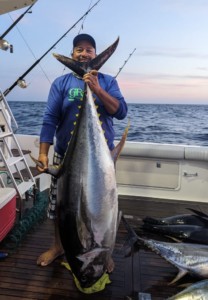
[{"x": 64, "y": 99}]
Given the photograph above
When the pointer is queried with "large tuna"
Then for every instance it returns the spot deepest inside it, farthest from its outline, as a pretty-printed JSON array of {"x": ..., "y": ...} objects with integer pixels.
[{"x": 87, "y": 192}]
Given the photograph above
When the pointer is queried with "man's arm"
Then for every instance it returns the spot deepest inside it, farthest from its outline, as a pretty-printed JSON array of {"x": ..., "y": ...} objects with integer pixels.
[{"x": 43, "y": 156}]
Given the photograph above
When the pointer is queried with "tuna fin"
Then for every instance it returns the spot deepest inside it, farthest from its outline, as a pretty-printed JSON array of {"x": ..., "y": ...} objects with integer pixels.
[
  {"x": 174, "y": 239},
  {"x": 52, "y": 169},
  {"x": 180, "y": 274},
  {"x": 82, "y": 68},
  {"x": 117, "y": 150},
  {"x": 200, "y": 216},
  {"x": 198, "y": 213},
  {"x": 119, "y": 219},
  {"x": 83, "y": 233},
  {"x": 89, "y": 256}
]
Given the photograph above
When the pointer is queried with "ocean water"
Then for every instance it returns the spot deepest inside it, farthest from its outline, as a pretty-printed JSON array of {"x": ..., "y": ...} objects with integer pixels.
[{"x": 157, "y": 123}]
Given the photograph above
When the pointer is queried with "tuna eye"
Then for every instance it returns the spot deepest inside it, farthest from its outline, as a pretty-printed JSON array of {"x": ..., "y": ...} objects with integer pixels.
[{"x": 84, "y": 279}]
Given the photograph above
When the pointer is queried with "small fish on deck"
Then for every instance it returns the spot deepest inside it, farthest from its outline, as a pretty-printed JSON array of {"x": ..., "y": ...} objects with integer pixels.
[
  {"x": 187, "y": 258},
  {"x": 184, "y": 227},
  {"x": 185, "y": 233},
  {"x": 199, "y": 219},
  {"x": 197, "y": 291}
]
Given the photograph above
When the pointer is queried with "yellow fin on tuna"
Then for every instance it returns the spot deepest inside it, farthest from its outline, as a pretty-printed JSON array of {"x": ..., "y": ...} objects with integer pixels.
[{"x": 117, "y": 150}]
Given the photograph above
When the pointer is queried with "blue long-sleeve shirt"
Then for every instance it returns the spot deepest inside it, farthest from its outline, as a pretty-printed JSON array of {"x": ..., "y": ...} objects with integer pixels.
[{"x": 62, "y": 109}]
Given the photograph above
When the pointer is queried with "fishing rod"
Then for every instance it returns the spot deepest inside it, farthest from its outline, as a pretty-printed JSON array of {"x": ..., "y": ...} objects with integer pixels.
[
  {"x": 125, "y": 62},
  {"x": 20, "y": 81},
  {"x": 4, "y": 45},
  {"x": 15, "y": 22}
]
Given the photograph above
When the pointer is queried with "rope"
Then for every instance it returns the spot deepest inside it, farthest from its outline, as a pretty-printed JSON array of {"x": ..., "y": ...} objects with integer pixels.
[{"x": 33, "y": 216}]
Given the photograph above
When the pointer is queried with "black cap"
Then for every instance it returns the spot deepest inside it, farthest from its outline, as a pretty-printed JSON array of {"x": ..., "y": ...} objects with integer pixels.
[{"x": 84, "y": 37}]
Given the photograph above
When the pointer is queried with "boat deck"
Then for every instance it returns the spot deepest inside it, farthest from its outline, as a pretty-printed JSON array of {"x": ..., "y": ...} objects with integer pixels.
[{"x": 141, "y": 275}]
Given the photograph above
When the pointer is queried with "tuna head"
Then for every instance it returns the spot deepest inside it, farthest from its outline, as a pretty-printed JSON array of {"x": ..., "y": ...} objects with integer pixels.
[{"x": 93, "y": 267}]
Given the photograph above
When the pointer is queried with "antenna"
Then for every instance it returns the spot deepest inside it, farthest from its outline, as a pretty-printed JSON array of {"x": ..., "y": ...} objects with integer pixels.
[{"x": 125, "y": 62}]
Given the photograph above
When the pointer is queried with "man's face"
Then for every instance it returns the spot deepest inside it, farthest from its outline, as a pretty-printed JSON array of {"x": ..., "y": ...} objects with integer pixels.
[{"x": 83, "y": 52}]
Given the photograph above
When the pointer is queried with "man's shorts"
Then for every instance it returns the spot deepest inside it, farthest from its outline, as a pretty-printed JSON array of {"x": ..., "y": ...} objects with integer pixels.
[{"x": 51, "y": 212}]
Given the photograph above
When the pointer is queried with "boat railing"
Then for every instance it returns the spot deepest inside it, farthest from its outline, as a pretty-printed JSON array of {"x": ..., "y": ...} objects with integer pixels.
[{"x": 165, "y": 151}]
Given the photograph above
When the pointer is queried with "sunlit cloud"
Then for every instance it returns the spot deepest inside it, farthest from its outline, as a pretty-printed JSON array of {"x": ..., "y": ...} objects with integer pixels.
[
  {"x": 158, "y": 76},
  {"x": 158, "y": 88}
]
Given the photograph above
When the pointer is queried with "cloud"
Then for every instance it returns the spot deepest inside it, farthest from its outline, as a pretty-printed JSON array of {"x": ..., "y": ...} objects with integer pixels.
[
  {"x": 172, "y": 53},
  {"x": 160, "y": 76},
  {"x": 182, "y": 6},
  {"x": 202, "y": 69}
]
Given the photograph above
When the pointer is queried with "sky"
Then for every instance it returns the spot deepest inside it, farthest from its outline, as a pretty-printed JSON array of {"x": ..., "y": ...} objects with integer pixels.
[{"x": 162, "y": 53}]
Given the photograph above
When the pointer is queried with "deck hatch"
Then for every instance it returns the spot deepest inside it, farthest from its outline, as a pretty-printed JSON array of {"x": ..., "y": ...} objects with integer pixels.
[{"x": 148, "y": 173}]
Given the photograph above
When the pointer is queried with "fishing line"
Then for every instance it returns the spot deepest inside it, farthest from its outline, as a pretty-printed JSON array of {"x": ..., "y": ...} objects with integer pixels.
[
  {"x": 125, "y": 62},
  {"x": 7, "y": 91},
  {"x": 82, "y": 25},
  {"x": 81, "y": 28},
  {"x": 15, "y": 22},
  {"x": 29, "y": 48}
]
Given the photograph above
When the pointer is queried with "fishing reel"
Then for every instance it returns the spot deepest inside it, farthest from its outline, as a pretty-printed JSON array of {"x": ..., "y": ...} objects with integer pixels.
[
  {"x": 4, "y": 45},
  {"x": 22, "y": 83}
]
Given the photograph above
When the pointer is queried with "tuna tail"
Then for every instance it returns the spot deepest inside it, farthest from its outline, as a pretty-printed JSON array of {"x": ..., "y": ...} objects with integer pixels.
[
  {"x": 133, "y": 240},
  {"x": 131, "y": 232},
  {"x": 81, "y": 68}
]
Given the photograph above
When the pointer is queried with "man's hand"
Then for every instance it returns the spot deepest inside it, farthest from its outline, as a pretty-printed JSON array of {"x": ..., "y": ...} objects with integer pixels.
[
  {"x": 110, "y": 103},
  {"x": 43, "y": 159},
  {"x": 91, "y": 79}
]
